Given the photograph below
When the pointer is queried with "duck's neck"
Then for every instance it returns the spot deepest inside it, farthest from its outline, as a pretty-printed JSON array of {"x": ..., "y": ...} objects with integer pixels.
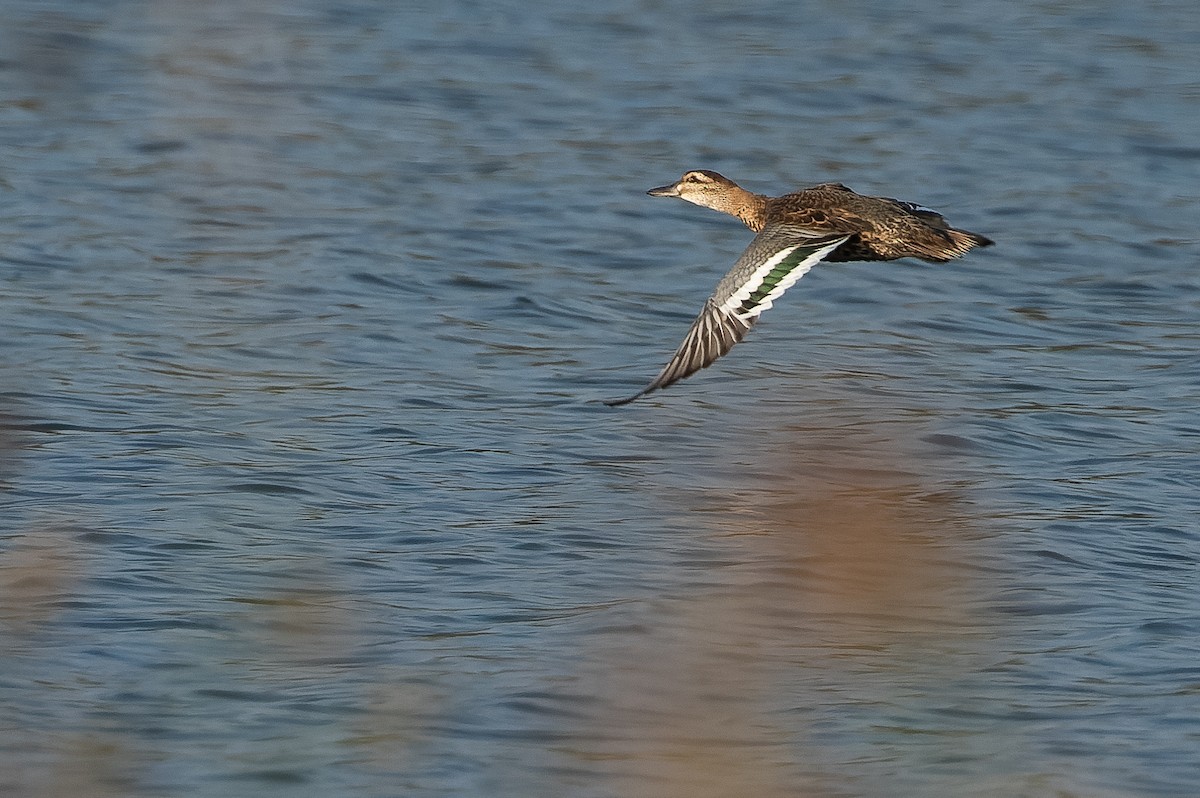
[{"x": 751, "y": 208}]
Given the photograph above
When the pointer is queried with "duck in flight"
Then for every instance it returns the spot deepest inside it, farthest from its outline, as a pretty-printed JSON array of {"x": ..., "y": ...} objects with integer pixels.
[{"x": 795, "y": 232}]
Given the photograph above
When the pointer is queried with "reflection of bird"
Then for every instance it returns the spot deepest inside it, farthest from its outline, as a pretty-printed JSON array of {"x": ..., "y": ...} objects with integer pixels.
[{"x": 795, "y": 231}]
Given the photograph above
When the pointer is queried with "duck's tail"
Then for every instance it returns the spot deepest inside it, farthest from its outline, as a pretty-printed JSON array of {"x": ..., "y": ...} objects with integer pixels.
[{"x": 952, "y": 244}]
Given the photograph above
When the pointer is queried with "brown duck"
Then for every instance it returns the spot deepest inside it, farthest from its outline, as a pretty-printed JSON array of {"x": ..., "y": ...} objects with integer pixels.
[{"x": 795, "y": 232}]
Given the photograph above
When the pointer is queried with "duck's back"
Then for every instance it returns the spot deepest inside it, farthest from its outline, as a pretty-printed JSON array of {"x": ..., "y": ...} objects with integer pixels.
[{"x": 883, "y": 228}]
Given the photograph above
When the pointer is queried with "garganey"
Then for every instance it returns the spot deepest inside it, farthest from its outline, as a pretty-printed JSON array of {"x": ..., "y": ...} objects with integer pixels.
[{"x": 796, "y": 231}]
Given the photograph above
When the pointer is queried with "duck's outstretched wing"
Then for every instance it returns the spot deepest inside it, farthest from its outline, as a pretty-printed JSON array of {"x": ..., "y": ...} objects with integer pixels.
[{"x": 776, "y": 258}]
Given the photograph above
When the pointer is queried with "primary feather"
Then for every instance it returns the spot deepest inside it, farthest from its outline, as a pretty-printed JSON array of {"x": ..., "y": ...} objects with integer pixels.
[{"x": 774, "y": 261}]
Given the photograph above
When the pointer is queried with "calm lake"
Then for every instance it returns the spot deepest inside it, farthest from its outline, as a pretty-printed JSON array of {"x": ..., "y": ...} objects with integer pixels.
[{"x": 307, "y": 309}]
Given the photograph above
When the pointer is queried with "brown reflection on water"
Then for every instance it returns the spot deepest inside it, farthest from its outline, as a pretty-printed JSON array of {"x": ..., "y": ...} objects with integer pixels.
[
  {"x": 40, "y": 572},
  {"x": 843, "y": 584},
  {"x": 305, "y": 640},
  {"x": 37, "y": 575}
]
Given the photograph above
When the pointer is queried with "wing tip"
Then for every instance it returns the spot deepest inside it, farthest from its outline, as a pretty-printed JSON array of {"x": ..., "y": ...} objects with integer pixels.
[
  {"x": 625, "y": 401},
  {"x": 714, "y": 332},
  {"x": 654, "y": 386}
]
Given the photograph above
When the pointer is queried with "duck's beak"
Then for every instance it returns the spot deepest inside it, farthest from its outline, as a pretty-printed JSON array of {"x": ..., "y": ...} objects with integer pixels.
[{"x": 665, "y": 191}]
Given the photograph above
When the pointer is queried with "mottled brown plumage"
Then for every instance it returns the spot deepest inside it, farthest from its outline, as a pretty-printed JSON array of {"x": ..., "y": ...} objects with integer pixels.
[{"x": 880, "y": 228}]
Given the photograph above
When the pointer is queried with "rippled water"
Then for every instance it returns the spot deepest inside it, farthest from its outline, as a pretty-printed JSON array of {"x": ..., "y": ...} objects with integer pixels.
[{"x": 306, "y": 308}]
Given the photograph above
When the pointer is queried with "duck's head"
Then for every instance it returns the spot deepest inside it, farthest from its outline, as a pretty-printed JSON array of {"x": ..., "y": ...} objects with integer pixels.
[{"x": 702, "y": 187}]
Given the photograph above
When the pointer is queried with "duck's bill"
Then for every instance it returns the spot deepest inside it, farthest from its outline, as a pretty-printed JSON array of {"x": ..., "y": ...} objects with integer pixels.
[{"x": 664, "y": 191}]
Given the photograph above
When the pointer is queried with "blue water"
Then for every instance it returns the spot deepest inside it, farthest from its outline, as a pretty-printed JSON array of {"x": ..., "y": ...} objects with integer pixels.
[{"x": 305, "y": 310}]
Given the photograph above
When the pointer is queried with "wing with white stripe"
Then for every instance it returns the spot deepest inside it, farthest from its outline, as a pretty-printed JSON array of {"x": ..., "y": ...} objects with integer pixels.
[
  {"x": 774, "y": 261},
  {"x": 772, "y": 264}
]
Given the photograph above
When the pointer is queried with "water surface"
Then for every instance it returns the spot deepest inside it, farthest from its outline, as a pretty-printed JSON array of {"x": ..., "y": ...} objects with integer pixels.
[{"x": 307, "y": 308}]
